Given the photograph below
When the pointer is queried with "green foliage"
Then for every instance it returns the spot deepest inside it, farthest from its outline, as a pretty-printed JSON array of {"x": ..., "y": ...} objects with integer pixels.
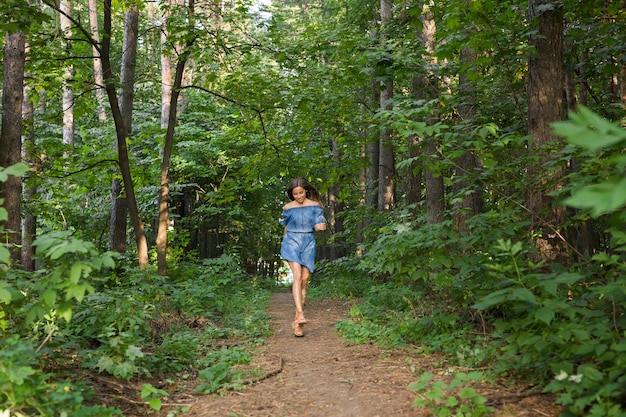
[
  {"x": 605, "y": 141},
  {"x": 66, "y": 277},
  {"x": 153, "y": 396},
  {"x": 570, "y": 324},
  {"x": 26, "y": 391},
  {"x": 341, "y": 278},
  {"x": 457, "y": 398}
]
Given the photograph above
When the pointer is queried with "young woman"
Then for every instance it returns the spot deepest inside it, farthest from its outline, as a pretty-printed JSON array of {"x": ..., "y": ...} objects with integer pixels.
[{"x": 301, "y": 217}]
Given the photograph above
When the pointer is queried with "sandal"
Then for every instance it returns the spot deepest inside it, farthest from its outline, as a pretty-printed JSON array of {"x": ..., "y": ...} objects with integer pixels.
[
  {"x": 300, "y": 319},
  {"x": 297, "y": 330}
]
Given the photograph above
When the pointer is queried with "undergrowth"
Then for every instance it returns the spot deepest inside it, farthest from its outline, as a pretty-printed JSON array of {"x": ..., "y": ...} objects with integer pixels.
[
  {"x": 477, "y": 299},
  {"x": 78, "y": 312}
]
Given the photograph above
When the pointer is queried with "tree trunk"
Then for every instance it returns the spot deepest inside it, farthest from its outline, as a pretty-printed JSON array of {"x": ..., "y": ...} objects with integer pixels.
[
  {"x": 546, "y": 104},
  {"x": 29, "y": 223},
  {"x": 119, "y": 204},
  {"x": 414, "y": 174},
  {"x": 373, "y": 154},
  {"x": 428, "y": 89},
  {"x": 121, "y": 133},
  {"x": 68, "y": 92},
  {"x": 164, "y": 190},
  {"x": 468, "y": 192},
  {"x": 97, "y": 62},
  {"x": 386, "y": 167},
  {"x": 166, "y": 74},
  {"x": 11, "y": 137},
  {"x": 433, "y": 180}
]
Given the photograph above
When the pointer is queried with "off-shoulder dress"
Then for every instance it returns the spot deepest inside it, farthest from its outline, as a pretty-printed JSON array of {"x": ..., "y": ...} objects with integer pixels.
[{"x": 299, "y": 241}]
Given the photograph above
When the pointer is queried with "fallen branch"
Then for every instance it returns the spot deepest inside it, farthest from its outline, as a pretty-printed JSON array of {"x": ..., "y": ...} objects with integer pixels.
[{"x": 251, "y": 381}]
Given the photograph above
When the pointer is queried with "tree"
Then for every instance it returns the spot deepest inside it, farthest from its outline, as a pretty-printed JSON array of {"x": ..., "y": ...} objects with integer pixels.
[
  {"x": 428, "y": 89},
  {"x": 122, "y": 134},
  {"x": 546, "y": 104},
  {"x": 29, "y": 223},
  {"x": 164, "y": 186},
  {"x": 119, "y": 203},
  {"x": 68, "y": 92},
  {"x": 97, "y": 63},
  {"x": 386, "y": 164},
  {"x": 11, "y": 135}
]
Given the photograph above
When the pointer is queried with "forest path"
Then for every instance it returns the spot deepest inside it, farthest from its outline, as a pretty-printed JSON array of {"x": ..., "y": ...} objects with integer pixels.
[{"x": 319, "y": 375}]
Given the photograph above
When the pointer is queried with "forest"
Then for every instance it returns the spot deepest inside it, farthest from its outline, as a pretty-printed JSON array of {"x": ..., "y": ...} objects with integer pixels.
[{"x": 470, "y": 155}]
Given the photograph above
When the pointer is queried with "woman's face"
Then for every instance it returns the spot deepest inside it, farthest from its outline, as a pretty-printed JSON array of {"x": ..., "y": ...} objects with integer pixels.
[{"x": 299, "y": 194}]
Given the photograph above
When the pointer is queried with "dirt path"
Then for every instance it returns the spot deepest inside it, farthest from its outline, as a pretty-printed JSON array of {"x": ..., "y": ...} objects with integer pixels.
[{"x": 318, "y": 375}]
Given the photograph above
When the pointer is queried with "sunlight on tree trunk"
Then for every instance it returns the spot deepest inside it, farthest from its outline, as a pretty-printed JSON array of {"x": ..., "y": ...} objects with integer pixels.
[
  {"x": 10, "y": 137},
  {"x": 386, "y": 165},
  {"x": 97, "y": 62},
  {"x": 429, "y": 89},
  {"x": 164, "y": 190},
  {"x": 122, "y": 134},
  {"x": 68, "y": 92}
]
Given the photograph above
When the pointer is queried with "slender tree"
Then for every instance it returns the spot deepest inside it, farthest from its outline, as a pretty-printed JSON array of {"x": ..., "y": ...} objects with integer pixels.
[
  {"x": 119, "y": 202},
  {"x": 68, "y": 92},
  {"x": 386, "y": 164},
  {"x": 97, "y": 62},
  {"x": 122, "y": 134},
  {"x": 164, "y": 189},
  {"x": 468, "y": 192},
  {"x": 428, "y": 89},
  {"x": 29, "y": 222}
]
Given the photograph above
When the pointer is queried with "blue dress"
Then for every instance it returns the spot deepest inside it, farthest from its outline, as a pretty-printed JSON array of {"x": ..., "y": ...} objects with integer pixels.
[{"x": 299, "y": 242}]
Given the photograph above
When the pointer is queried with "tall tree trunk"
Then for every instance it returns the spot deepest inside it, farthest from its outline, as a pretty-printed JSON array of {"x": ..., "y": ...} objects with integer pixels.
[
  {"x": 386, "y": 167},
  {"x": 166, "y": 71},
  {"x": 68, "y": 92},
  {"x": 373, "y": 154},
  {"x": 97, "y": 62},
  {"x": 11, "y": 137},
  {"x": 414, "y": 172},
  {"x": 428, "y": 89},
  {"x": 119, "y": 204},
  {"x": 546, "y": 104},
  {"x": 29, "y": 222},
  {"x": 122, "y": 134},
  {"x": 164, "y": 190},
  {"x": 470, "y": 202}
]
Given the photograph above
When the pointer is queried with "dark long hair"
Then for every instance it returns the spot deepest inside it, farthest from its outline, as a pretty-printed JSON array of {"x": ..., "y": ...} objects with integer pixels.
[{"x": 311, "y": 192}]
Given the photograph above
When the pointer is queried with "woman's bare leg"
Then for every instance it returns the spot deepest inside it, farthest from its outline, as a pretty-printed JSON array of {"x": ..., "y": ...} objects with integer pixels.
[
  {"x": 300, "y": 280},
  {"x": 296, "y": 287},
  {"x": 304, "y": 283}
]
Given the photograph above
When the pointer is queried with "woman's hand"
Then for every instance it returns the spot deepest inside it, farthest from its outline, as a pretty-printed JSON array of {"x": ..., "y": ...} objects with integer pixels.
[{"x": 320, "y": 227}]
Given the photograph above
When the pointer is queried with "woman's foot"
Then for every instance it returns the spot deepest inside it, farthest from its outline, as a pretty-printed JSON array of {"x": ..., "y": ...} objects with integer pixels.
[
  {"x": 300, "y": 318},
  {"x": 297, "y": 330}
]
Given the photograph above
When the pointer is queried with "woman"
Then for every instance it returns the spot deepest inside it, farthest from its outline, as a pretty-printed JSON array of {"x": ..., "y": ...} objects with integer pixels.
[{"x": 301, "y": 217}]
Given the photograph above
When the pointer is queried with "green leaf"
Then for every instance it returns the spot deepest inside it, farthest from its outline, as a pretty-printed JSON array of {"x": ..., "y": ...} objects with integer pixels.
[
  {"x": 76, "y": 271},
  {"x": 49, "y": 297},
  {"x": 545, "y": 314},
  {"x": 524, "y": 294},
  {"x": 16, "y": 170},
  {"x": 600, "y": 198},
  {"x": 589, "y": 130},
  {"x": 155, "y": 404}
]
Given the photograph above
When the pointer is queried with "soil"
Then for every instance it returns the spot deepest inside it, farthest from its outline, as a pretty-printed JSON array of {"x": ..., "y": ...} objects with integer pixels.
[{"x": 319, "y": 375}]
